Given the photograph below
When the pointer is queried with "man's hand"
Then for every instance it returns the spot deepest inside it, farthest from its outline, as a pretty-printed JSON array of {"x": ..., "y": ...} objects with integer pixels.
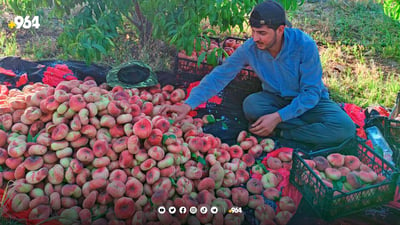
[
  {"x": 180, "y": 110},
  {"x": 265, "y": 124}
]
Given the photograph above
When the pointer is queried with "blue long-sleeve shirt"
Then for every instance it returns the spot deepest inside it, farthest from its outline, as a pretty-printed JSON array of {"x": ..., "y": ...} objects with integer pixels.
[{"x": 295, "y": 72}]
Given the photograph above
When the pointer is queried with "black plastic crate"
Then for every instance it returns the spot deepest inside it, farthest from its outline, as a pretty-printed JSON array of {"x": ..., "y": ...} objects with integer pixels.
[
  {"x": 331, "y": 203},
  {"x": 247, "y": 72},
  {"x": 189, "y": 66},
  {"x": 392, "y": 135}
]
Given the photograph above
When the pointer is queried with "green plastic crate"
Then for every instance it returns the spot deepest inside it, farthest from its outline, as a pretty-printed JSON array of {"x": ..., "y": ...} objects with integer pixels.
[{"x": 329, "y": 203}]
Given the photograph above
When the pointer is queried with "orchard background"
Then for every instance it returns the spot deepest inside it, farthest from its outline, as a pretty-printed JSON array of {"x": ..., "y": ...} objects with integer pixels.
[{"x": 358, "y": 39}]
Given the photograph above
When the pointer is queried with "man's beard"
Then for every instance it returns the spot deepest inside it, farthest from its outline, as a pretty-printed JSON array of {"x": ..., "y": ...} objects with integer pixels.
[{"x": 272, "y": 43}]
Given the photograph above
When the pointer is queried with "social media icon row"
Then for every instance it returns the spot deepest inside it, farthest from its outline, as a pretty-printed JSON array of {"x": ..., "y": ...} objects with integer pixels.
[{"x": 183, "y": 210}]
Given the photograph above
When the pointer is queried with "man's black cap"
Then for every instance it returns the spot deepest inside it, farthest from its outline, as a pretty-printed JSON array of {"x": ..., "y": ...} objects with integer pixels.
[{"x": 269, "y": 13}]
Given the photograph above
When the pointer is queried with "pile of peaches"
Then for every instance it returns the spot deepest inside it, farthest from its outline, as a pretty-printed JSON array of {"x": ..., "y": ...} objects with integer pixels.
[
  {"x": 346, "y": 170},
  {"x": 86, "y": 153},
  {"x": 229, "y": 45}
]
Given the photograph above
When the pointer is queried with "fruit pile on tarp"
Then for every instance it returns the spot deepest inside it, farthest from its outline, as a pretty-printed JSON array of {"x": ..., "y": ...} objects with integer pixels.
[{"x": 86, "y": 153}]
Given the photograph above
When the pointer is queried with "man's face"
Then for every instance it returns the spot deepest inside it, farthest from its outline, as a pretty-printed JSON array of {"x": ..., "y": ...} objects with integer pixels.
[{"x": 265, "y": 37}]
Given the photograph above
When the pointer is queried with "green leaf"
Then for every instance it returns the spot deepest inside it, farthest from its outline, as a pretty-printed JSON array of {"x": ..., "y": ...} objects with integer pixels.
[
  {"x": 264, "y": 168},
  {"x": 201, "y": 58},
  {"x": 29, "y": 138},
  {"x": 100, "y": 48},
  {"x": 173, "y": 182},
  {"x": 201, "y": 160},
  {"x": 338, "y": 185}
]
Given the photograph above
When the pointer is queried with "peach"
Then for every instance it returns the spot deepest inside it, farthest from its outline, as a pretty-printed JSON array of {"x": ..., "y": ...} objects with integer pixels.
[
  {"x": 240, "y": 196},
  {"x": 34, "y": 177},
  {"x": 124, "y": 208},
  {"x": 101, "y": 162},
  {"x": 133, "y": 144},
  {"x": 90, "y": 200},
  {"x": 21, "y": 187},
  {"x": 41, "y": 212},
  {"x": 33, "y": 162},
  {"x": 353, "y": 180},
  {"x": 32, "y": 114},
  {"x": 44, "y": 139},
  {"x": 38, "y": 201},
  {"x": 167, "y": 161},
  {"x": 134, "y": 188},
  {"x": 344, "y": 170},
  {"x": 120, "y": 144},
  {"x": 55, "y": 200},
  {"x": 336, "y": 159},
  {"x": 206, "y": 184},
  {"x": 184, "y": 185},
  {"x": 156, "y": 152},
  {"x": 254, "y": 186},
  {"x": 286, "y": 203},
  {"x": 69, "y": 176},
  {"x": 162, "y": 124},
  {"x": 116, "y": 189},
  {"x": 229, "y": 179},
  {"x": 242, "y": 176},
  {"x": 89, "y": 130},
  {"x": 107, "y": 121},
  {"x": 159, "y": 197},
  {"x": 255, "y": 201},
  {"x": 61, "y": 95},
  {"x": 118, "y": 175},
  {"x": 117, "y": 131},
  {"x": 103, "y": 134},
  {"x": 368, "y": 176},
  {"x": 137, "y": 172},
  {"x": 104, "y": 198},
  {"x": 77, "y": 102},
  {"x": 321, "y": 163},
  {"x": 147, "y": 164},
  {"x": 58, "y": 145},
  {"x": 100, "y": 147},
  {"x": 142, "y": 128},
  {"x": 20, "y": 128},
  {"x": 256, "y": 150},
  {"x": 100, "y": 173},
  {"x": 97, "y": 184},
  {"x": 139, "y": 218},
  {"x": 270, "y": 180},
  {"x": 264, "y": 213},
  {"x": 16, "y": 148},
  {"x": 85, "y": 217},
  {"x": 177, "y": 95},
  {"x": 20, "y": 202},
  {"x": 333, "y": 173},
  {"x": 352, "y": 162},
  {"x": 248, "y": 159},
  {"x": 283, "y": 217},
  {"x": 125, "y": 159},
  {"x": 285, "y": 156},
  {"x": 85, "y": 155},
  {"x": 65, "y": 152},
  {"x": 152, "y": 175},
  {"x": 193, "y": 173},
  {"x": 274, "y": 163},
  {"x": 82, "y": 177},
  {"x": 36, "y": 192},
  {"x": 235, "y": 151},
  {"x": 162, "y": 183},
  {"x": 272, "y": 193}
]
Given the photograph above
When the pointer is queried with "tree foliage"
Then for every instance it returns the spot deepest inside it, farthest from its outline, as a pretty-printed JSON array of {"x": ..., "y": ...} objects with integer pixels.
[
  {"x": 91, "y": 26},
  {"x": 392, "y": 9}
]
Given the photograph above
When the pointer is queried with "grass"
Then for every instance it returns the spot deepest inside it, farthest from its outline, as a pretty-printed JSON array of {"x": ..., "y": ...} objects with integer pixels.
[{"x": 359, "y": 48}]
